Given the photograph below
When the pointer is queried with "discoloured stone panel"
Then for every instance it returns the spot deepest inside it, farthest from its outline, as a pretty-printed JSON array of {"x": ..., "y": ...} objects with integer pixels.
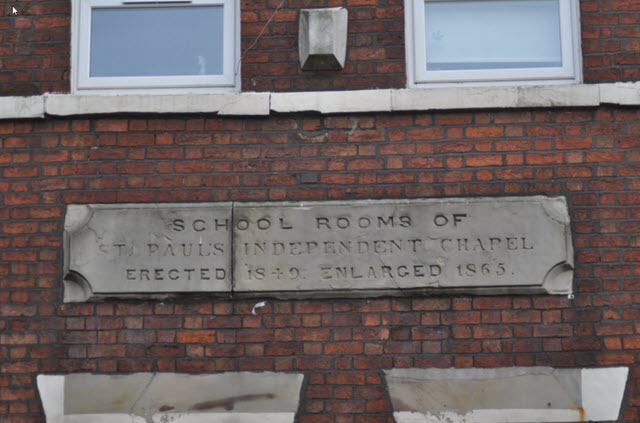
[
  {"x": 142, "y": 248},
  {"x": 514, "y": 394},
  {"x": 493, "y": 243},
  {"x": 173, "y": 398},
  {"x": 483, "y": 245}
]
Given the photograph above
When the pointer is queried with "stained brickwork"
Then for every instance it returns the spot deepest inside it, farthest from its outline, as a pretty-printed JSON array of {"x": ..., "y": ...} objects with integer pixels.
[{"x": 592, "y": 156}]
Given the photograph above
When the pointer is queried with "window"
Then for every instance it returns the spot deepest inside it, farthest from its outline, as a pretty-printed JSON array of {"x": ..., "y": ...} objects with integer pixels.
[
  {"x": 486, "y": 42},
  {"x": 155, "y": 46}
]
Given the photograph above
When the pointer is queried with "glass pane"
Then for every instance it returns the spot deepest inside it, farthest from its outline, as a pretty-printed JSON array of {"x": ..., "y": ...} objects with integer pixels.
[
  {"x": 496, "y": 34},
  {"x": 156, "y": 41}
]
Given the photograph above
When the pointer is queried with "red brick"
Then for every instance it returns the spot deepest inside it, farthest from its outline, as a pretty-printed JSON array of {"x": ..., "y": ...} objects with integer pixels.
[
  {"x": 163, "y": 322},
  {"x": 343, "y": 348},
  {"x": 464, "y": 347},
  {"x": 552, "y": 330},
  {"x": 610, "y": 359},
  {"x": 461, "y": 318},
  {"x": 422, "y": 134},
  {"x": 111, "y": 125},
  {"x": 484, "y": 131},
  {"x": 196, "y": 336},
  {"x": 346, "y": 378},
  {"x": 484, "y": 160},
  {"x": 573, "y": 143},
  {"x": 428, "y": 304},
  {"x": 543, "y": 158}
]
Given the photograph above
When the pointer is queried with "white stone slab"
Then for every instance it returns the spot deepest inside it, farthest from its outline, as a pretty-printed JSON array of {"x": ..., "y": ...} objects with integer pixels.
[
  {"x": 494, "y": 97},
  {"x": 129, "y": 249},
  {"x": 102, "y": 418},
  {"x": 261, "y": 104},
  {"x": 354, "y": 247},
  {"x": 104, "y": 394},
  {"x": 332, "y": 101},
  {"x": 623, "y": 93},
  {"x": 602, "y": 392},
  {"x": 171, "y": 398},
  {"x": 223, "y": 104},
  {"x": 240, "y": 392},
  {"x": 51, "y": 388},
  {"x": 491, "y": 416},
  {"x": 246, "y": 104},
  {"x": 21, "y": 107},
  {"x": 506, "y": 395},
  {"x": 224, "y": 418}
]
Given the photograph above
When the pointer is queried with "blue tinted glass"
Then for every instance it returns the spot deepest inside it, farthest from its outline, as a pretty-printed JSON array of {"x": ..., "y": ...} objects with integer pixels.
[
  {"x": 156, "y": 41},
  {"x": 492, "y": 34}
]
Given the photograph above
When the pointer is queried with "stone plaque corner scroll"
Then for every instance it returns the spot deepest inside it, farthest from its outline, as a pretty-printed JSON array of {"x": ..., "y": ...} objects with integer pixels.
[
  {"x": 507, "y": 245},
  {"x": 559, "y": 279},
  {"x": 76, "y": 287}
]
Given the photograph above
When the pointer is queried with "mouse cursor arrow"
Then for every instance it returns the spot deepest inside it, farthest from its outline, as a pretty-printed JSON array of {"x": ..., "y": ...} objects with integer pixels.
[{"x": 14, "y": 11}]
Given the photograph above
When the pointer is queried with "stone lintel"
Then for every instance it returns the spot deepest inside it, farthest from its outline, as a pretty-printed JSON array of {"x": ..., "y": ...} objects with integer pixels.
[
  {"x": 254, "y": 104},
  {"x": 513, "y": 394},
  {"x": 170, "y": 397},
  {"x": 326, "y": 102},
  {"x": 22, "y": 107}
]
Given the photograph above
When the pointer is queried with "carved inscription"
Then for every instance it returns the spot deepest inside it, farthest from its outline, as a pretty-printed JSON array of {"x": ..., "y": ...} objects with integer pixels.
[
  {"x": 368, "y": 247},
  {"x": 166, "y": 248},
  {"x": 378, "y": 245},
  {"x": 150, "y": 248}
]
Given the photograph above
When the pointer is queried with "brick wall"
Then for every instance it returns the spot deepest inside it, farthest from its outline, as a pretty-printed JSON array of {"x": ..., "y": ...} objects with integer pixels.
[
  {"x": 592, "y": 156},
  {"x": 610, "y": 40},
  {"x": 34, "y": 46}
]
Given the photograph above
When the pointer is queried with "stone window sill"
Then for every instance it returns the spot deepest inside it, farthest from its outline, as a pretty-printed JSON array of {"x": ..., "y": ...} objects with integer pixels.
[{"x": 325, "y": 102}]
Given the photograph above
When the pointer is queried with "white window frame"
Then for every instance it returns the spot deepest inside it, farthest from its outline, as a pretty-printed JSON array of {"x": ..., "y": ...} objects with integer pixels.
[
  {"x": 83, "y": 83},
  {"x": 418, "y": 76}
]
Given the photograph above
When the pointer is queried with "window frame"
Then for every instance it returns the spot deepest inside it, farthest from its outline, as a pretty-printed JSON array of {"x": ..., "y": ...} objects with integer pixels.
[
  {"x": 83, "y": 83},
  {"x": 418, "y": 76}
]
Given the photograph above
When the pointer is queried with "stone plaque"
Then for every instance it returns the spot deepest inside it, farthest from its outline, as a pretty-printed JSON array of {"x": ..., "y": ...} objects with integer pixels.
[
  {"x": 133, "y": 249},
  {"x": 488, "y": 245},
  {"x": 373, "y": 247}
]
